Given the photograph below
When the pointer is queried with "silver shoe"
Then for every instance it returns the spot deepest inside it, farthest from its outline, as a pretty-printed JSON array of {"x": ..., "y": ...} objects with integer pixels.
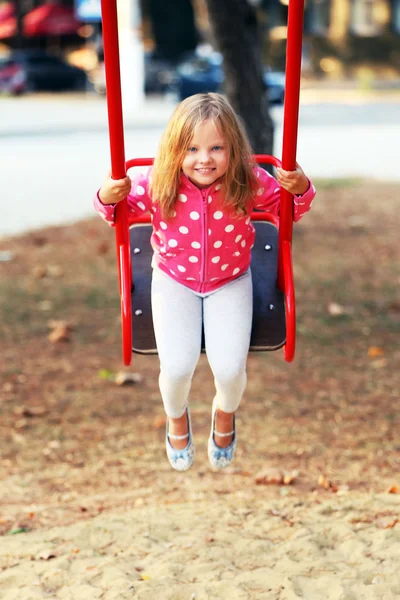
[
  {"x": 180, "y": 460},
  {"x": 221, "y": 457}
]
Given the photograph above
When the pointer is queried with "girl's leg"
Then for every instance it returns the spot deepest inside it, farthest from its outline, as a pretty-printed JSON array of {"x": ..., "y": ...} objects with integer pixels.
[
  {"x": 228, "y": 315},
  {"x": 177, "y": 319}
]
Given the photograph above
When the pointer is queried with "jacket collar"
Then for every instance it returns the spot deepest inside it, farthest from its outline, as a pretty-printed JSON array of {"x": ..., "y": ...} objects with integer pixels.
[{"x": 185, "y": 181}]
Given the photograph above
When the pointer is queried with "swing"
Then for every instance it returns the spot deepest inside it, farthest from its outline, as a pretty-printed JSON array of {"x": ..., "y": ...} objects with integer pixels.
[{"x": 274, "y": 312}]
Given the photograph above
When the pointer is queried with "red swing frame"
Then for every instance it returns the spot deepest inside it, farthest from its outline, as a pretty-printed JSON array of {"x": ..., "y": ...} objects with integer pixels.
[{"x": 119, "y": 168}]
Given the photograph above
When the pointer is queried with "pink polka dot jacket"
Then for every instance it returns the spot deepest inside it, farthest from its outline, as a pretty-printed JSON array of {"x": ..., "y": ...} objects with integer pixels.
[{"x": 203, "y": 246}]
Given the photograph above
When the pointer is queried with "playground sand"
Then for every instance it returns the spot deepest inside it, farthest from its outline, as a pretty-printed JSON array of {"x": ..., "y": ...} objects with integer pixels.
[{"x": 335, "y": 548}]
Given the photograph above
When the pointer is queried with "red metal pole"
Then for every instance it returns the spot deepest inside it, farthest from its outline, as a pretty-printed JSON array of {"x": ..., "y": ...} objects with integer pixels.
[
  {"x": 290, "y": 116},
  {"x": 289, "y": 148},
  {"x": 118, "y": 171}
]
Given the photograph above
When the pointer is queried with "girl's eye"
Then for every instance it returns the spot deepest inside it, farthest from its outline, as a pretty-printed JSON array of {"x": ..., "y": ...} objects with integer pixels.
[
  {"x": 217, "y": 148},
  {"x": 192, "y": 149}
]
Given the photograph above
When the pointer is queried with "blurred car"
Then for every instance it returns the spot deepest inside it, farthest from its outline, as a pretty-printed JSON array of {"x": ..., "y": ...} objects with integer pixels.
[
  {"x": 159, "y": 74},
  {"x": 33, "y": 70},
  {"x": 205, "y": 73}
]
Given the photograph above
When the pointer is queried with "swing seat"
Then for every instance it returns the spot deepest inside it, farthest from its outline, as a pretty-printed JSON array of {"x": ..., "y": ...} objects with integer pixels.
[{"x": 269, "y": 322}]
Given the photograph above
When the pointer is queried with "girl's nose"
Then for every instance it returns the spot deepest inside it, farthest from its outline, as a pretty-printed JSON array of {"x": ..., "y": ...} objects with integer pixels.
[{"x": 204, "y": 156}]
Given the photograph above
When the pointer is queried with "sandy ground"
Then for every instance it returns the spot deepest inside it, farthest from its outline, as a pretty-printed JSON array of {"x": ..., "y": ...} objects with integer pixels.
[{"x": 341, "y": 548}]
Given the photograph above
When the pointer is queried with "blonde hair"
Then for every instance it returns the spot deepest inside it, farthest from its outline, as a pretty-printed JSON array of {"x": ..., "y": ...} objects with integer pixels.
[{"x": 238, "y": 182}]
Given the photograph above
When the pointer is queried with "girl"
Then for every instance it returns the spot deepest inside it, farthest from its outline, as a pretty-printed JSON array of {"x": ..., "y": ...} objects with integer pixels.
[{"x": 200, "y": 193}]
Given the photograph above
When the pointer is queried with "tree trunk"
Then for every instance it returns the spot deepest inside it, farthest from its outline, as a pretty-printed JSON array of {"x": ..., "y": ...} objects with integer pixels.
[
  {"x": 173, "y": 26},
  {"x": 237, "y": 34}
]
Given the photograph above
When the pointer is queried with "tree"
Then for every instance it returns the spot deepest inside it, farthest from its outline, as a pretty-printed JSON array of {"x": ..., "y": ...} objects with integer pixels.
[
  {"x": 237, "y": 34},
  {"x": 173, "y": 26}
]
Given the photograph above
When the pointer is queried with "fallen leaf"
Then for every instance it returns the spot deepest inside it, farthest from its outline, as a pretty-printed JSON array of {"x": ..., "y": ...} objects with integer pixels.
[
  {"x": 60, "y": 331},
  {"x": 374, "y": 351},
  {"x": 394, "y": 489},
  {"x": 289, "y": 477},
  {"x": 39, "y": 271},
  {"x": 387, "y": 522},
  {"x": 17, "y": 530},
  {"x": 269, "y": 476},
  {"x": 335, "y": 309},
  {"x": 326, "y": 484},
  {"x": 106, "y": 374},
  {"x": 123, "y": 378},
  {"x": 34, "y": 411},
  {"x": 45, "y": 555}
]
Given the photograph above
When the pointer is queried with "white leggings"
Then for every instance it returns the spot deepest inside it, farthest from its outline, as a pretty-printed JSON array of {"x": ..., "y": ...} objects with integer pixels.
[{"x": 179, "y": 315}]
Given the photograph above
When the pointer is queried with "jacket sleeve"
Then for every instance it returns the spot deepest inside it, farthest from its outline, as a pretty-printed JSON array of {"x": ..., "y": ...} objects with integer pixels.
[
  {"x": 139, "y": 200},
  {"x": 267, "y": 196}
]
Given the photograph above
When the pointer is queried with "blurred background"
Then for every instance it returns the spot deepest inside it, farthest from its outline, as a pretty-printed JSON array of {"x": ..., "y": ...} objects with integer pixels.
[
  {"x": 342, "y": 39},
  {"x": 53, "y": 96}
]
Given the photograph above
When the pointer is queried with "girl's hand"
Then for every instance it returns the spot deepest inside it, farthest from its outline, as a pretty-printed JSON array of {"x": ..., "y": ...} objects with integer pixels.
[
  {"x": 295, "y": 182},
  {"x": 114, "y": 190}
]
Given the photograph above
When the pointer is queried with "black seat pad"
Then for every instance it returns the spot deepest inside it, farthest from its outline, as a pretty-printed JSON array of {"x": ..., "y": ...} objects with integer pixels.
[{"x": 269, "y": 326}]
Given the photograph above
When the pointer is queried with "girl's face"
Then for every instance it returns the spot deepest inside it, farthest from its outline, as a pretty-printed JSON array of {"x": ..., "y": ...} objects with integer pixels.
[{"x": 207, "y": 157}]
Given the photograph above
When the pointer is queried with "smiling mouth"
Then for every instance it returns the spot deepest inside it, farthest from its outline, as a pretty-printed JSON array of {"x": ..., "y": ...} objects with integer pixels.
[{"x": 205, "y": 171}]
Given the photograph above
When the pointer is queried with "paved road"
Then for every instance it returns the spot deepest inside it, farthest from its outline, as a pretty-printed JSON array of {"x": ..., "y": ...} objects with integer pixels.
[{"x": 55, "y": 149}]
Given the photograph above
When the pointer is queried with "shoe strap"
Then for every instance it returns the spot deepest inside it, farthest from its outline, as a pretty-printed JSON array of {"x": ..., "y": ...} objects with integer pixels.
[
  {"x": 178, "y": 437},
  {"x": 223, "y": 434}
]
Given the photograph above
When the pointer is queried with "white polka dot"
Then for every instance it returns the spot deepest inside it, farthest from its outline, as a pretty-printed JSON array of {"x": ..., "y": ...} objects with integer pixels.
[
  {"x": 195, "y": 245},
  {"x": 173, "y": 214},
  {"x": 182, "y": 198},
  {"x": 218, "y": 215},
  {"x": 276, "y": 190},
  {"x": 190, "y": 279},
  {"x": 193, "y": 259},
  {"x": 209, "y": 232},
  {"x": 236, "y": 254},
  {"x": 140, "y": 190},
  {"x": 209, "y": 199},
  {"x": 218, "y": 187},
  {"x": 217, "y": 244},
  {"x": 181, "y": 269},
  {"x": 214, "y": 278},
  {"x": 194, "y": 215},
  {"x": 238, "y": 238},
  {"x": 224, "y": 267},
  {"x": 183, "y": 229},
  {"x": 216, "y": 259},
  {"x": 243, "y": 243},
  {"x": 172, "y": 243},
  {"x": 235, "y": 271},
  {"x": 229, "y": 228},
  {"x": 163, "y": 225},
  {"x": 258, "y": 173},
  {"x": 173, "y": 272},
  {"x": 248, "y": 220},
  {"x": 141, "y": 205},
  {"x": 260, "y": 191}
]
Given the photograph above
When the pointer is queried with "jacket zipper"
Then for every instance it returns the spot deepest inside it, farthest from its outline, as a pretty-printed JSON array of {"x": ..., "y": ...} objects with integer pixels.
[{"x": 205, "y": 237}]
